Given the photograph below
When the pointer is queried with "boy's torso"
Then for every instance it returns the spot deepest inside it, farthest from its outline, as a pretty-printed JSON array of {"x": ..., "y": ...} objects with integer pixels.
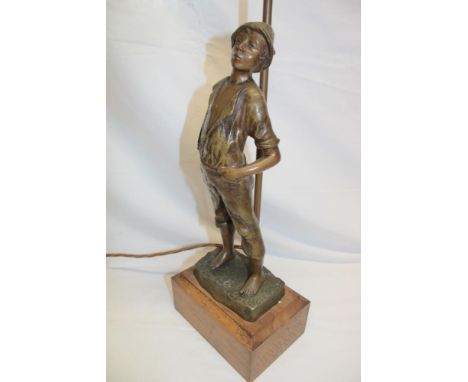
[
  {"x": 222, "y": 99},
  {"x": 223, "y": 133}
]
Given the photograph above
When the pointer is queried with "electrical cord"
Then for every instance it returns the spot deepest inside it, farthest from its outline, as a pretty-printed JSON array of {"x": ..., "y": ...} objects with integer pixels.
[{"x": 169, "y": 252}]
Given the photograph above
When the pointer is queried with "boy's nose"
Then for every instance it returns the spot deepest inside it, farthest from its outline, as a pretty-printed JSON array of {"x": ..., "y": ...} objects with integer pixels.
[{"x": 243, "y": 44}]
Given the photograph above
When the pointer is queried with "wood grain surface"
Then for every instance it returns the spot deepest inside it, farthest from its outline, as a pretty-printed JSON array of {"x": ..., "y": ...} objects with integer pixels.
[{"x": 250, "y": 347}]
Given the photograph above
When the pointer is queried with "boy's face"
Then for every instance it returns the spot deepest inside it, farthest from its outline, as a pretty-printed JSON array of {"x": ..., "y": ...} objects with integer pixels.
[{"x": 247, "y": 49}]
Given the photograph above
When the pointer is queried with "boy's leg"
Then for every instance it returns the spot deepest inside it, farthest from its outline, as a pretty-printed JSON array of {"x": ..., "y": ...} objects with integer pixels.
[
  {"x": 226, "y": 227},
  {"x": 227, "y": 252},
  {"x": 238, "y": 203},
  {"x": 254, "y": 248}
]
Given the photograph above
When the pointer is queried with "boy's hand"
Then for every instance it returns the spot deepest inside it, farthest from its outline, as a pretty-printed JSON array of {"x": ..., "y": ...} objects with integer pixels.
[{"x": 230, "y": 173}]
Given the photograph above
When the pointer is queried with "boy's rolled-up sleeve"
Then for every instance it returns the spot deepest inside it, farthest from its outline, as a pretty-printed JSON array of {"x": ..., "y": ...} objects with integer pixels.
[{"x": 260, "y": 124}]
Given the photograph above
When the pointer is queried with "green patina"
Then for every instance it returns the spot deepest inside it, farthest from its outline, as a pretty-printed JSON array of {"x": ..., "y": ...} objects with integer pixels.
[{"x": 225, "y": 283}]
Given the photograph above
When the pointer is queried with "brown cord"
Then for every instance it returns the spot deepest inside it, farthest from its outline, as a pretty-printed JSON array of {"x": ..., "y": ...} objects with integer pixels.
[{"x": 171, "y": 251}]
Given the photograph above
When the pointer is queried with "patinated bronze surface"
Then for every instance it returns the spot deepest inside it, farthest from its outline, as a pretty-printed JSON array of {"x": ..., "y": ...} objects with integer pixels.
[
  {"x": 237, "y": 110},
  {"x": 225, "y": 283}
]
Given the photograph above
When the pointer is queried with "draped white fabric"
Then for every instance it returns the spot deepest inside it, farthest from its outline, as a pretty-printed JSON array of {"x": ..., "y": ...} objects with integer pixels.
[{"x": 163, "y": 58}]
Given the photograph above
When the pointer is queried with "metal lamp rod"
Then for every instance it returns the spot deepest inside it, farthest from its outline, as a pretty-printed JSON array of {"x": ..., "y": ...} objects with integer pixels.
[{"x": 267, "y": 8}]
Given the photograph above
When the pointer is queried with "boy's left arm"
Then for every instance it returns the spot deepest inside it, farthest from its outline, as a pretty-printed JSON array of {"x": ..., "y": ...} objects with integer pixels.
[
  {"x": 268, "y": 158},
  {"x": 255, "y": 115}
]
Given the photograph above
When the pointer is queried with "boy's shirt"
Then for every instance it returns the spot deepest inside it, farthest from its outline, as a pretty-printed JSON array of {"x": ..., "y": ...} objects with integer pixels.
[{"x": 224, "y": 133}]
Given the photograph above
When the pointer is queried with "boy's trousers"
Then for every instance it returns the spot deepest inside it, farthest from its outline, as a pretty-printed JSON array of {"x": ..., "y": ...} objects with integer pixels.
[{"x": 233, "y": 203}]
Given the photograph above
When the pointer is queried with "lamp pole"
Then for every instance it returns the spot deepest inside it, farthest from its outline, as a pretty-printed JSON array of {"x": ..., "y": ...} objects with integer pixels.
[{"x": 267, "y": 9}]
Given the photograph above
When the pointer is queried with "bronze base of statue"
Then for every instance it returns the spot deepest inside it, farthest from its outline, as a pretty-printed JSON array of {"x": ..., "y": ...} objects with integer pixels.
[
  {"x": 250, "y": 347},
  {"x": 225, "y": 283}
]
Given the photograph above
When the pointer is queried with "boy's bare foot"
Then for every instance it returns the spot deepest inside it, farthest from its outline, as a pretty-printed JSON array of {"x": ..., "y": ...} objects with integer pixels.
[
  {"x": 252, "y": 285},
  {"x": 222, "y": 257}
]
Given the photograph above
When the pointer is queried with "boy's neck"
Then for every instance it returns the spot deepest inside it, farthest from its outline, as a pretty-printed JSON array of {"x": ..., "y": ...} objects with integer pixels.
[{"x": 239, "y": 77}]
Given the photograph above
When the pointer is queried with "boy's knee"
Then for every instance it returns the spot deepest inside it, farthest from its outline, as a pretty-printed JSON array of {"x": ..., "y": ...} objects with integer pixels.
[
  {"x": 222, "y": 218},
  {"x": 254, "y": 249},
  {"x": 221, "y": 215},
  {"x": 249, "y": 231},
  {"x": 220, "y": 222},
  {"x": 253, "y": 246}
]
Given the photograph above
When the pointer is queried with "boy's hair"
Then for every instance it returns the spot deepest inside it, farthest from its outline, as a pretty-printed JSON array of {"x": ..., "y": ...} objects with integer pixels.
[{"x": 267, "y": 32}]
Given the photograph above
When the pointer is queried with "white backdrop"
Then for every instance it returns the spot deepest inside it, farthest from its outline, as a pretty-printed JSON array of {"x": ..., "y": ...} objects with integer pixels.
[{"x": 163, "y": 58}]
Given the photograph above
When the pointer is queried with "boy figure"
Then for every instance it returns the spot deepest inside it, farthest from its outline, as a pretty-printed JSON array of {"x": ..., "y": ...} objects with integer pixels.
[{"x": 236, "y": 110}]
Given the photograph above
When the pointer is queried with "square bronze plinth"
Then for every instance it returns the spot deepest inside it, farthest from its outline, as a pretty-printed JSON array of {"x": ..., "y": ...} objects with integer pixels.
[
  {"x": 250, "y": 347},
  {"x": 224, "y": 285}
]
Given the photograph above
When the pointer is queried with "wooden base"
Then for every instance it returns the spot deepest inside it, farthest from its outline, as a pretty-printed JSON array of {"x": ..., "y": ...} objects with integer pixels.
[{"x": 250, "y": 347}]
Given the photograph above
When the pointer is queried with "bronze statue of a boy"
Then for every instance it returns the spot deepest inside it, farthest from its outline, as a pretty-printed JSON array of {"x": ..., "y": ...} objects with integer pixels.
[{"x": 236, "y": 110}]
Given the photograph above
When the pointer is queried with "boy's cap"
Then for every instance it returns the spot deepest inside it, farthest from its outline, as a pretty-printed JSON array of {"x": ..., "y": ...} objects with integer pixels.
[{"x": 265, "y": 29}]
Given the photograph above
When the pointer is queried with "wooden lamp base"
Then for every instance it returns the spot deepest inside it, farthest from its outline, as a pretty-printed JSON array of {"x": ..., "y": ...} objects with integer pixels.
[{"x": 250, "y": 347}]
